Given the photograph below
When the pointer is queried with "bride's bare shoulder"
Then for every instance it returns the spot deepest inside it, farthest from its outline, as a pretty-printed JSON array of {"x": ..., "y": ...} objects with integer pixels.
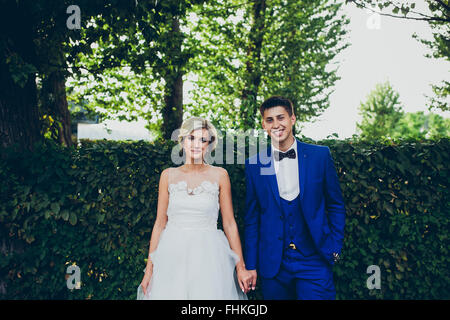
[
  {"x": 220, "y": 172},
  {"x": 170, "y": 171},
  {"x": 165, "y": 174}
]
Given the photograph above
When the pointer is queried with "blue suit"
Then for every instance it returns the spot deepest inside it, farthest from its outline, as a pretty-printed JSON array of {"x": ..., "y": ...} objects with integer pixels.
[{"x": 318, "y": 219}]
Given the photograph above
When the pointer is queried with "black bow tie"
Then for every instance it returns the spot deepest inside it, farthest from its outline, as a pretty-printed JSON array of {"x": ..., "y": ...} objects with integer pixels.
[{"x": 281, "y": 155}]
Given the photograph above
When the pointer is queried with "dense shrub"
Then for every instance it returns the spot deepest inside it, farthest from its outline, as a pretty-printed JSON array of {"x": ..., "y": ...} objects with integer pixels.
[{"x": 94, "y": 206}]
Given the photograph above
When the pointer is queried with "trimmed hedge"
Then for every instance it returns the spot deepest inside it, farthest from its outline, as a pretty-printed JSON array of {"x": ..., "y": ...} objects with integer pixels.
[{"x": 95, "y": 205}]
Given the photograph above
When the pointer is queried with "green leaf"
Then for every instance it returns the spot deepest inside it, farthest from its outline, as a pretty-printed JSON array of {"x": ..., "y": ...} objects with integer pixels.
[
  {"x": 73, "y": 218},
  {"x": 65, "y": 215},
  {"x": 55, "y": 207},
  {"x": 100, "y": 218},
  {"x": 388, "y": 208}
]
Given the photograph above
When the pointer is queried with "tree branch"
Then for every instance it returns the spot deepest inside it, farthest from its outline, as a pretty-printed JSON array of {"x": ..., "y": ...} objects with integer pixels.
[
  {"x": 423, "y": 18},
  {"x": 447, "y": 7}
]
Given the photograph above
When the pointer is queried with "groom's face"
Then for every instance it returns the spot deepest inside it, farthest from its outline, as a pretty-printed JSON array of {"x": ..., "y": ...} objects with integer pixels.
[{"x": 278, "y": 124}]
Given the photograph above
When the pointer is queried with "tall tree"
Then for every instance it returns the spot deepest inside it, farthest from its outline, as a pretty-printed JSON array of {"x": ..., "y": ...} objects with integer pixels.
[
  {"x": 235, "y": 53},
  {"x": 383, "y": 117},
  {"x": 36, "y": 44},
  {"x": 172, "y": 74},
  {"x": 248, "y": 51},
  {"x": 19, "y": 117},
  {"x": 149, "y": 77},
  {"x": 380, "y": 113},
  {"x": 253, "y": 74}
]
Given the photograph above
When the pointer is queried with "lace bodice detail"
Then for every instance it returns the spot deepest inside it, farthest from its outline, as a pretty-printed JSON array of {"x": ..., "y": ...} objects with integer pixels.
[
  {"x": 195, "y": 207},
  {"x": 205, "y": 186}
]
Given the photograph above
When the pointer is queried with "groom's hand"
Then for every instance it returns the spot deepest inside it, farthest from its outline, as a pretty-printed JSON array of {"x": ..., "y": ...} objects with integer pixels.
[{"x": 252, "y": 283}]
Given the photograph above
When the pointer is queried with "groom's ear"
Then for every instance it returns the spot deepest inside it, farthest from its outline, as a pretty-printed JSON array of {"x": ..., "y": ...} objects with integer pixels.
[{"x": 293, "y": 118}]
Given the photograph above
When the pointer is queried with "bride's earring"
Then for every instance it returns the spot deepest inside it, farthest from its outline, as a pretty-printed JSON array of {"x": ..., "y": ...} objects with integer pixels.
[{"x": 182, "y": 155}]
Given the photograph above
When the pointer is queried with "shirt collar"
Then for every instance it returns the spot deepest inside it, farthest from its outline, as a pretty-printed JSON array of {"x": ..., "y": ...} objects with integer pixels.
[{"x": 293, "y": 146}]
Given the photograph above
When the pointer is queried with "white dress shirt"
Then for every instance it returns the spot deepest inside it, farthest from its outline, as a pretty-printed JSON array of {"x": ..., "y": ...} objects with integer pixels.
[{"x": 287, "y": 174}]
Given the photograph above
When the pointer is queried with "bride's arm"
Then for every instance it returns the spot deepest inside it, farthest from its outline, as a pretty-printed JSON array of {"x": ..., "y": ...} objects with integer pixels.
[
  {"x": 161, "y": 215},
  {"x": 228, "y": 222}
]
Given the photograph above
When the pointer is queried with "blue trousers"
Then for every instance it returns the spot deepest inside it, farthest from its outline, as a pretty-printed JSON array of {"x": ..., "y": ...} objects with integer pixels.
[{"x": 300, "y": 278}]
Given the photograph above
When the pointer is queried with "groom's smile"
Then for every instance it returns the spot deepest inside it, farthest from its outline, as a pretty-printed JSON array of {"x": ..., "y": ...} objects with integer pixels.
[{"x": 278, "y": 132}]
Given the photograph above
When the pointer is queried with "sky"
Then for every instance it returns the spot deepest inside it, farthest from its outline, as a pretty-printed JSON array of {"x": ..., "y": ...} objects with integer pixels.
[{"x": 381, "y": 49}]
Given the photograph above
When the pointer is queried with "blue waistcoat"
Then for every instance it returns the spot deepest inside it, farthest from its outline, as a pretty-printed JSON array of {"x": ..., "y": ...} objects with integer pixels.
[{"x": 295, "y": 228}]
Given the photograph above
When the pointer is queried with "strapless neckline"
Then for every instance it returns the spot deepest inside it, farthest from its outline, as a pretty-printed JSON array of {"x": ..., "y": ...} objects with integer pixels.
[{"x": 204, "y": 186}]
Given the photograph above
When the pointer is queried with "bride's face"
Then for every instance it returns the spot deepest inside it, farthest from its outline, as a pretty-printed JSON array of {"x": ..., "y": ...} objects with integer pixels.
[{"x": 195, "y": 145}]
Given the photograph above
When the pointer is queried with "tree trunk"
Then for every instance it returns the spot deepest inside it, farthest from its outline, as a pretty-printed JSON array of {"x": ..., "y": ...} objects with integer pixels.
[
  {"x": 19, "y": 118},
  {"x": 19, "y": 115},
  {"x": 172, "y": 110},
  {"x": 173, "y": 106},
  {"x": 54, "y": 87},
  {"x": 249, "y": 107}
]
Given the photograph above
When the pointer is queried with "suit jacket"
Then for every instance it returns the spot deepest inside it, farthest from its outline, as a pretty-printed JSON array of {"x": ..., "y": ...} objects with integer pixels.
[{"x": 321, "y": 201}]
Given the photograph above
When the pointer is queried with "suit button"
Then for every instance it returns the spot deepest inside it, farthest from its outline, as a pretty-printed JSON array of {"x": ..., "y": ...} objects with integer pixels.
[
  {"x": 281, "y": 217},
  {"x": 280, "y": 238}
]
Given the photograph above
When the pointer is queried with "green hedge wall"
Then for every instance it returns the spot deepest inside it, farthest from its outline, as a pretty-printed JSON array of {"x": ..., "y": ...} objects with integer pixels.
[{"x": 94, "y": 206}]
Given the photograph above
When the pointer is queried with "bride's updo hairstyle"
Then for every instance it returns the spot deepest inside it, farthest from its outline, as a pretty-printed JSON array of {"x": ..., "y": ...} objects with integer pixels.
[{"x": 195, "y": 123}]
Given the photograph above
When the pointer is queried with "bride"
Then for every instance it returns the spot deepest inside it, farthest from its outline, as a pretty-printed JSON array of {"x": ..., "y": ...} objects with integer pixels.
[{"x": 189, "y": 257}]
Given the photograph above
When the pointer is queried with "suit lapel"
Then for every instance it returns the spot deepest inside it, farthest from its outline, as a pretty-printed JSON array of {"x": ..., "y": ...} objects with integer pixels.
[
  {"x": 302, "y": 163},
  {"x": 268, "y": 170}
]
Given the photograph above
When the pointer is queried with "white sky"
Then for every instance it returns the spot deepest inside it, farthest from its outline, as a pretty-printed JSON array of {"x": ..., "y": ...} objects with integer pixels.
[{"x": 382, "y": 48}]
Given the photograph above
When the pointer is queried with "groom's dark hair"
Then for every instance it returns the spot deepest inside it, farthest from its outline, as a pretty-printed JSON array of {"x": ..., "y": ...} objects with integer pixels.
[{"x": 277, "y": 101}]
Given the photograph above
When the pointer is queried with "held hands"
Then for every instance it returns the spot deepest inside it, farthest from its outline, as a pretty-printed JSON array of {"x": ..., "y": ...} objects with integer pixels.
[
  {"x": 252, "y": 279},
  {"x": 246, "y": 278}
]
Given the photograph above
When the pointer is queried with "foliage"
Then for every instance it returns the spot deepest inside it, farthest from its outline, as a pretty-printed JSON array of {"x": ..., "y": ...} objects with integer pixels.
[
  {"x": 126, "y": 74},
  {"x": 380, "y": 113},
  {"x": 383, "y": 117},
  {"x": 94, "y": 206},
  {"x": 218, "y": 45},
  {"x": 439, "y": 10},
  {"x": 417, "y": 125},
  {"x": 288, "y": 48},
  {"x": 396, "y": 197},
  {"x": 441, "y": 94},
  {"x": 118, "y": 93},
  {"x": 36, "y": 44}
]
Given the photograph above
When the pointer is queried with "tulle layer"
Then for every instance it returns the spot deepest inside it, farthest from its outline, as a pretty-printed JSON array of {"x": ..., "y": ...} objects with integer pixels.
[{"x": 193, "y": 264}]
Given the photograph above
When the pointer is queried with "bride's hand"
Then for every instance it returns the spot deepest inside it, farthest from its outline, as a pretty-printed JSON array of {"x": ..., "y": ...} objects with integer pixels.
[
  {"x": 244, "y": 278},
  {"x": 146, "y": 280}
]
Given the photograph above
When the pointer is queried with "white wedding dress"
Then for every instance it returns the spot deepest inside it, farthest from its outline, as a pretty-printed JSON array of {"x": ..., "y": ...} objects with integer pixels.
[{"x": 193, "y": 259}]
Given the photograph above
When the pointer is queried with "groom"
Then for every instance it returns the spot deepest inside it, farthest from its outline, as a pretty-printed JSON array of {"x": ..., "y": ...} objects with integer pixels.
[{"x": 295, "y": 214}]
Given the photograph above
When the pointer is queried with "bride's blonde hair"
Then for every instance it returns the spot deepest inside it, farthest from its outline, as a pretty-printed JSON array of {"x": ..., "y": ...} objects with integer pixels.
[{"x": 195, "y": 123}]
